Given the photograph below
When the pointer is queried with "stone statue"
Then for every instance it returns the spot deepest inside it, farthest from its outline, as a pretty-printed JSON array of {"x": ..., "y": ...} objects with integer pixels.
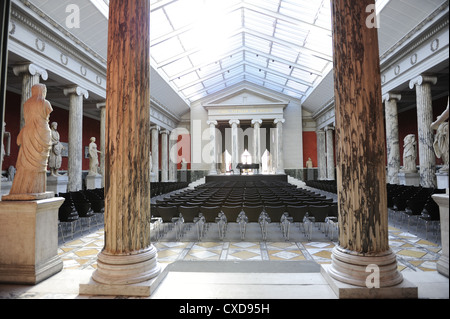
[
  {"x": 309, "y": 163},
  {"x": 409, "y": 153},
  {"x": 183, "y": 164},
  {"x": 55, "y": 158},
  {"x": 35, "y": 143},
  {"x": 93, "y": 158},
  {"x": 441, "y": 140}
]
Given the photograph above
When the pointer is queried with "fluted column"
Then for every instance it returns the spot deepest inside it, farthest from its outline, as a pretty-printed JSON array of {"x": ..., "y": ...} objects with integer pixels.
[
  {"x": 321, "y": 155},
  {"x": 234, "y": 145},
  {"x": 75, "y": 165},
  {"x": 173, "y": 156},
  {"x": 31, "y": 74},
  {"x": 361, "y": 177},
  {"x": 279, "y": 147},
  {"x": 257, "y": 142},
  {"x": 330, "y": 152},
  {"x": 213, "y": 153},
  {"x": 102, "y": 108},
  {"x": 165, "y": 155},
  {"x": 128, "y": 257},
  {"x": 427, "y": 157},
  {"x": 392, "y": 146},
  {"x": 155, "y": 153}
]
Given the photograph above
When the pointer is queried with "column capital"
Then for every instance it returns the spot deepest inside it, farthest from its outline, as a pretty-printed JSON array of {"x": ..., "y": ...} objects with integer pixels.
[
  {"x": 78, "y": 90},
  {"x": 320, "y": 131},
  {"x": 101, "y": 105},
  {"x": 276, "y": 121},
  {"x": 155, "y": 127},
  {"x": 422, "y": 79},
  {"x": 212, "y": 122},
  {"x": 329, "y": 128},
  {"x": 391, "y": 96},
  {"x": 258, "y": 121},
  {"x": 32, "y": 69},
  {"x": 237, "y": 122},
  {"x": 165, "y": 131}
]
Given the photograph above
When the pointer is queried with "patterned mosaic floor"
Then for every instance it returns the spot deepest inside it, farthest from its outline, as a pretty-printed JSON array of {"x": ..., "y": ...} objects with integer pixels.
[{"x": 413, "y": 253}]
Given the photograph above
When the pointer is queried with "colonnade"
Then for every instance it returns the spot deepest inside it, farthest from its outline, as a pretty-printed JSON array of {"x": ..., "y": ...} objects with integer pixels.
[
  {"x": 256, "y": 149},
  {"x": 168, "y": 153},
  {"x": 427, "y": 159}
]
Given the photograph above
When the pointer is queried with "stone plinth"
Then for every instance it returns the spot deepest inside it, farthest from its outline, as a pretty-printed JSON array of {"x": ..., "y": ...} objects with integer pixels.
[
  {"x": 29, "y": 240},
  {"x": 403, "y": 290},
  {"x": 93, "y": 181},
  {"x": 57, "y": 184},
  {"x": 409, "y": 178},
  {"x": 442, "y": 180},
  {"x": 442, "y": 201},
  {"x": 6, "y": 187}
]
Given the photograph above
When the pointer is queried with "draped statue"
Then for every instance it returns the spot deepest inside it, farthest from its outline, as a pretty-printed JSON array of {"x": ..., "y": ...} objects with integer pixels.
[
  {"x": 441, "y": 140},
  {"x": 93, "y": 158},
  {"x": 409, "y": 153},
  {"x": 55, "y": 157},
  {"x": 34, "y": 142}
]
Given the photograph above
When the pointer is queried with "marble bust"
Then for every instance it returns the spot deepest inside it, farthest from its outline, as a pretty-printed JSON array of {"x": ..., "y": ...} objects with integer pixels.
[
  {"x": 35, "y": 143},
  {"x": 93, "y": 158},
  {"x": 409, "y": 154}
]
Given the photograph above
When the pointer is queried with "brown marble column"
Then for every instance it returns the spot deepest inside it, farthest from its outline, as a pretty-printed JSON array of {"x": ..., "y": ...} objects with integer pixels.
[
  {"x": 361, "y": 177},
  {"x": 128, "y": 256}
]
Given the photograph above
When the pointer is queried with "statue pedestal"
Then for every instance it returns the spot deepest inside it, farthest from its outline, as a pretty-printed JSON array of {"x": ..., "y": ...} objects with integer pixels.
[
  {"x": 57, "y": 184},
  {"x": 442, "y": 201},
  {"x": 409, "y": 178},
  {"x": 442, "y": 180},
  {"x": 6, "y": 187},
  {"x": 29, "y": 240},
  {"x": 93, "y": 181}
]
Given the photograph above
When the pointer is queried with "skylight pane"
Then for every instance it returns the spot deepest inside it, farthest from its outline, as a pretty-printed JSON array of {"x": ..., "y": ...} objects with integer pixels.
[
  {"x": 186, "y": 79},
  {"x": 166, "y": 50},
  {"x": 279, "y": 67},
  {"x": 212, "y": 81},
  {"x": 159, "y": 25},
  {"x": 256, "y": 43},
  {"x": 275, "y": 78},
  {"x": 285, "y": 53}
]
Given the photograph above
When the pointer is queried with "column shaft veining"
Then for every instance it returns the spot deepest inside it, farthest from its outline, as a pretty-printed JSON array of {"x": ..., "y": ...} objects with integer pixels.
[
  {"x": 427, "y": 157},
  {"x": 75, "y": 165},
  {"x": 155, "y": 153},
  {"x": 234, "y": 145},
  {"x": 165, "y": 155},
  {"x": 279, "y": 147},
  {"x": 257, "y": 142},
  {"x": 330, "y": 152},
  {"x": 128, "y": 257},
  {"x": 321, "y": 155},
  {"x": 31, "y": 74},
  {"x": 361, "y": 177},
  {"x": 173, "y": 156},
  {"x": 392, "y": 145},
  {"x": 213, "y": 151}
]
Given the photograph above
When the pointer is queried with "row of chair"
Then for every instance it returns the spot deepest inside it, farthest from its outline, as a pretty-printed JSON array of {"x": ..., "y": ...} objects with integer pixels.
[
  {"x": 328, "y": 186},
  {"x": 413, "y": 202},
  {"x": 203, "y": 216},
  {"x": 160, "y": 188}
]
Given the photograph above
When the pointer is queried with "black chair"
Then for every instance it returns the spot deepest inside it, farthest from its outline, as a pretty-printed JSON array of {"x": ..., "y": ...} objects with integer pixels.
[
  {"x": 251, "y": 215},
  {"x": 170, "y": 217},
  {"x": 296, "y": 216},
  {"x": 277, "y": 214},
  {"x": 190, "y": 215},
  {"x": 212, "y": 214},
  {"x": 316, "y": 215}
]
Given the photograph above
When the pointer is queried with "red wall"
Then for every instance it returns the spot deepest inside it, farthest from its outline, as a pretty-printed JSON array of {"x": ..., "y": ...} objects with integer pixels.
[
  {"x": 310, "y": 148},
  {"x": 91, "y": 128}
]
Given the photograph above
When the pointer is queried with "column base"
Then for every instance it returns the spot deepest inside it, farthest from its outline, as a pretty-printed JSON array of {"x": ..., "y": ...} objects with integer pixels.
[
  {"x": 29, "y": 240},
  {"x": 403, "y": 290},
  {"x": 126, "y": 275},
  {"x": 359, "y": 270}
]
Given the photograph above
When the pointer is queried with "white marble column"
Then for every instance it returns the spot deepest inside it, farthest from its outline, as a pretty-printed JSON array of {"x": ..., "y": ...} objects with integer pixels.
[
  {"x": 31, "y": 74},
  {"x": 234, "y": 145},
  {"x": 257, "y": 142},
  {"x": 102, "y": 108},
  {"x": 165, "y": 155},
  {"x": 76, "y": 95},
  {"x": 155, "y": 153},
  {"x": 330, "y": 152},
  {"x": 321, "y": 155},
  {"x": 279, "y": 148},
  {"x": 392, "y": 146},
  {"x": 213, "y": 142},
  {"x": 427, "y": 157},
  {"x": 173, "y": 156}
]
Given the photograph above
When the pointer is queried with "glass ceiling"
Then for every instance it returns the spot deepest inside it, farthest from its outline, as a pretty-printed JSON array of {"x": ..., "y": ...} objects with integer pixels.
[{"x": 203, "y": 46}]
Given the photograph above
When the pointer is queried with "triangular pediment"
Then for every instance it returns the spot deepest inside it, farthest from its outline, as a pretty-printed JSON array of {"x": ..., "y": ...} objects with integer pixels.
[{"x": 245, "y": 96}]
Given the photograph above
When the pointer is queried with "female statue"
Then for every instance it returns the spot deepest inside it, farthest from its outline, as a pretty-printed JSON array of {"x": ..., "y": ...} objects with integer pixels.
[
  {"x": 55, "y": 158},
  {"x": 34, "y": 141}
]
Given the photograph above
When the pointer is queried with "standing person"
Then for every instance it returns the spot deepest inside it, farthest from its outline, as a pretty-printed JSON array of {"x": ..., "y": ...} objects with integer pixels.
[{"x": 35, "y": 143}]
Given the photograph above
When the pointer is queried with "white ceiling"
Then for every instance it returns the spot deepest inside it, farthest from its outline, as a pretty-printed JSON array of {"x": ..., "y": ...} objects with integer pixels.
[{"x": 199, "y": 47}]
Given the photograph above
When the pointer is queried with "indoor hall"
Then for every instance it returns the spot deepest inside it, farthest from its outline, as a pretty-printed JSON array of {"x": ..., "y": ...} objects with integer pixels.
[{"x": 239, "y": 89}]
